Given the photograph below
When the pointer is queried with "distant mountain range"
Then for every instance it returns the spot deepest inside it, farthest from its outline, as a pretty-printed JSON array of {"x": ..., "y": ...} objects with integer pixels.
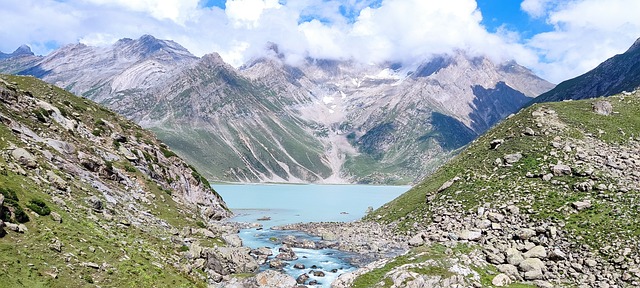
[{"x": 321, "y": 121}]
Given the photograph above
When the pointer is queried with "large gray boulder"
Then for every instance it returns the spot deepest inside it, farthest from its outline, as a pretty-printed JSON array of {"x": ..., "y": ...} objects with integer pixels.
[
  {"x": 274, "y": 279},
  {"x": 228, "y": 260},
  {"x": 24, "y": 158}
]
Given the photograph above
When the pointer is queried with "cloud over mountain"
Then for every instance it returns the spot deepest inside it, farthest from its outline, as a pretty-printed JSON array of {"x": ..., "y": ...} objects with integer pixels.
[{"x": 584, "y": 32}]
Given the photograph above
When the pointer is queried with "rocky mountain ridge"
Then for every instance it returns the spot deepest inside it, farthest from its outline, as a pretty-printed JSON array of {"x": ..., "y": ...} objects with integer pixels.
[
  {"x": 321, "y": 121},
  {"x": 617, "y": 74}
]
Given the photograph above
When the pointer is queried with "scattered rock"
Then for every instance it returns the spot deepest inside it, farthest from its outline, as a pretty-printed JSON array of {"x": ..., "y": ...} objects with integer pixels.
[
  {"x": 56, "y": 217},
  {"x": 24, "y": 158},
  {"x": 526, "y": 233},
  {"x": 536, "y": 252},
  {"x": 501, "y": 280},
  {"x": 581, "y": 205},
  {"x": 512, "y": 158},
  {"x": 529, "y": 132},
  {"x": 602, "y": 107},
  {"x": 470, "y": 235},
  {"x": 274, "y": 279},
  {"x": 560, "y": 169},
  {"x": 495, "y": 143},
  {"x": 448, "y": 184}
]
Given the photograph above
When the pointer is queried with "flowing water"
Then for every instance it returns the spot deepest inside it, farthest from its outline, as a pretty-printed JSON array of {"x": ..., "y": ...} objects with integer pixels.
[{"x": 285, "y": 204}]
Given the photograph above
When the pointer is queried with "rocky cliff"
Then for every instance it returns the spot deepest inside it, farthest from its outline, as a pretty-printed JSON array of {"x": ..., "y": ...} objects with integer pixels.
[
  {"x": 89, "y": 198},
  {"x": 617, "y": 74}
]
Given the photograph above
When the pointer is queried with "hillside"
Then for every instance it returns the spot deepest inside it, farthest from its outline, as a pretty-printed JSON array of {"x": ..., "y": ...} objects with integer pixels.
[
  {"x": 615, "y": 75},
  {"x": 91, "y": 199},
  {"x": 548, "y": 197}
]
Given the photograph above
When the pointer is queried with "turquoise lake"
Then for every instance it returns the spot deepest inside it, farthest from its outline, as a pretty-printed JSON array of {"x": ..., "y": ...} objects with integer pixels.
[{"x": 286, "y": 204}]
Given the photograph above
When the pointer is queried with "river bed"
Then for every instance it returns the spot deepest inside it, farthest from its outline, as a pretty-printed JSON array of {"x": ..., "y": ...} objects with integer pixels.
[{"x": 281, "y": 204}]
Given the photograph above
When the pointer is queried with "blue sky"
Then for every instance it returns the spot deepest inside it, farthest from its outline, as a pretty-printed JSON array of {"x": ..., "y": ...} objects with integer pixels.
[{"x": 557, "y": 39}]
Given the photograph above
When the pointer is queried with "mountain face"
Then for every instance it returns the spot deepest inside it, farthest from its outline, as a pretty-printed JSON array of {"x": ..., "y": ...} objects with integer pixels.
[
  {"x": 615, "y": 75},
  {"x": 392, "y": 124},
  {"x": 99, "y": 198},
  {"x": 117, "y": 76},
  {"x": 318, "y": 121},
  {"x": 556, "y": 184}
]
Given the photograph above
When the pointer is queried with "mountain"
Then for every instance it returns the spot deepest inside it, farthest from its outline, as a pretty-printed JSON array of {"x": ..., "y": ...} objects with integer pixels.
[
  {"x": 547, "y": 198},
  {"x": 393, "y": 124},
  {"x": 22, "y": 58},
  {"x": 317, "y": 121},
  {"x": 22, "y": 51},
  {"x": 89, "y": 198},
  {"x": 615, "y": 75},
  {"x": 239, "y": 130},
  {"x": 118, "y": 75}
]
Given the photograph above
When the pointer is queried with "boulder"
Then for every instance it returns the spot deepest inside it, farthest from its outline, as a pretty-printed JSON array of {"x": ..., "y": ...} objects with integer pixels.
[
  {"x": 495, "y": 143},
  {"x": 536, "y": 252},
  {"x": 602, "y": 107},
  {"x": 448, "y": 184},
  {"x": 557, "y": 255},
  {"x": 514, "y": 257},
  {"x": 533, "y": 275},
  {"x": 274, "y": 279},
  {"x": 277, "y": 264},
  {"x": 495, "y": 217},
  {"x": 56, "y": 217},
  {"x": 529, "y": 132},
  {"x": 417, "y": 239},
  {"x": 227, "y": 260},
  {"x": 501, "y": 280},
  {"x": 531, "y": 264},
  {"x": 508, "y": 269},
  {"x": 470, "y": 235},
  {"x": 525, "y": 233},
  {"x": 302, "y": 278},
  {"x": 299, "y": 266},
  {"x": 232, "y": 239},
  {"x": 512, "y": 158},
  {"x": 24, "y": 158},
  {"x": 581, "y": 205},
  {"x": 56, "y": 181},
  {"x": 560, "y": 169}
]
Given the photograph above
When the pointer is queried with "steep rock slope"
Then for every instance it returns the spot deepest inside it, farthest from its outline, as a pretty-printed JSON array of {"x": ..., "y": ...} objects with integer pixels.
[
  {"x": 236, "y": 129},
  {"x": 548, "y": 197},
  {"x": 87, "y": 197},
  {"x": 118, "y": 75},
  {"x": 617, "y": 74},
  {"x": 393, "y": 124}
]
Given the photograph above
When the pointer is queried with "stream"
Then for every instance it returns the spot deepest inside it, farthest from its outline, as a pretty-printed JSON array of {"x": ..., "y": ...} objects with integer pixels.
[{"x": 280, "y": 204}]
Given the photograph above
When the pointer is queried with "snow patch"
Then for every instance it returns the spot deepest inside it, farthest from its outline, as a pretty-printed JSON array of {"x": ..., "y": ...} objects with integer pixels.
[{"x": 328, "y": 99}]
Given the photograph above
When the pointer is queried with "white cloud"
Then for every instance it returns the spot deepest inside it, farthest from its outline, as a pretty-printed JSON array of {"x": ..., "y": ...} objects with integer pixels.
[
  {"x": 585, "y": 33},
  {"x": 535, "y": 8},
  {"x": 246, "y": 13},
  {"x": 175, "y": 10}
]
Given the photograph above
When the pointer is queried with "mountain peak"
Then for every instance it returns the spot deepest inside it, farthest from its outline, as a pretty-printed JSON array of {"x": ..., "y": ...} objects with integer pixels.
[{"x": 22, "y": 50}]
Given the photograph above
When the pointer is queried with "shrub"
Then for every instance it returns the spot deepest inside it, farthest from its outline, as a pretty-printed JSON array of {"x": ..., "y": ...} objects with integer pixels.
[
  {"x": 201, "y": 224},
  {"x": 183, "y": 248},
  {"x": 130, "y": 168},
  {"x": 167, "y": 153},
  {"x": 38, "y": 206}
]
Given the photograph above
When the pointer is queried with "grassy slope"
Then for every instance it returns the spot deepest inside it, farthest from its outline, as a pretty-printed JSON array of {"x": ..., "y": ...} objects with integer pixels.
[
  {"x": 484, "y": 183},
  {"x": 133, "y": 254}
]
